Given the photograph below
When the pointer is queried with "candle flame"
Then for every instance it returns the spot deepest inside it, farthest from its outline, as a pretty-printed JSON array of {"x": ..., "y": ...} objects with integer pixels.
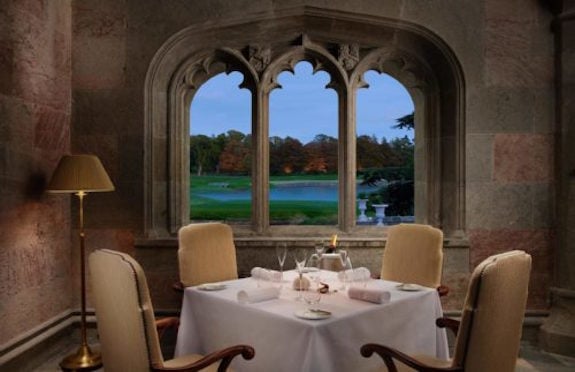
[{"x": 334, "y": 240}]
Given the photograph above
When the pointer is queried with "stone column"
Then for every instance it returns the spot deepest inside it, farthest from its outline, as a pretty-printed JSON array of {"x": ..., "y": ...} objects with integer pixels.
[{"x": 557, "y": 334}]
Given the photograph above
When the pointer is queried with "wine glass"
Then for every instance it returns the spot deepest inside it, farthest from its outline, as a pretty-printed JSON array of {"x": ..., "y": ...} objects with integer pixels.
[
  {"x": 345, "y": 276},
  {"x": 281, "y": 253},
  {"x": 319, "y": 247},
  {"x": 300, "y": 258},
  {"x": 313, "y": 266},
  {"x": 312, "y": 295}
]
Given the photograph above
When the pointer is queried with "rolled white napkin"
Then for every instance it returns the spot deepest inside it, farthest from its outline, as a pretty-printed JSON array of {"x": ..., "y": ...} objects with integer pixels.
[
  {"x": 257, "y": 295},
  {"x": 378, "y": 296},
  {"x": 265, "y": 274},
  {"x": 356, "y": 275}
]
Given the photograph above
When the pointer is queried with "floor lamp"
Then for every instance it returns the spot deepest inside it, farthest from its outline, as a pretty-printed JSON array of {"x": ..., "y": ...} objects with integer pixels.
[{"x": 80, "y": 175}]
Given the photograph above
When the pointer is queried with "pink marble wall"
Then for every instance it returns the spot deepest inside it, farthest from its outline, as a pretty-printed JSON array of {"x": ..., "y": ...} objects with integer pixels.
[{"x": 35, "y": 101}]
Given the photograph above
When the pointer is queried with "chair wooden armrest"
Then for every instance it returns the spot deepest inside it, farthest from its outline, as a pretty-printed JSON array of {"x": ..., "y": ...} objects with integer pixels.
[
  {"x": 388, "y": 354},
  {"x": 166, "y": 323},
  {"x": 452, "y": 324},
  {"x": 443, "y": 290},
  {"x": 178, "y": 286},
  {"x": 226, "y": 355}
]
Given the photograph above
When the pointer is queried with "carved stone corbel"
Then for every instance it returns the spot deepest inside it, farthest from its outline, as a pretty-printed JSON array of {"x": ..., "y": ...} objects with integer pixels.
[{"x": 348, "y": 56}]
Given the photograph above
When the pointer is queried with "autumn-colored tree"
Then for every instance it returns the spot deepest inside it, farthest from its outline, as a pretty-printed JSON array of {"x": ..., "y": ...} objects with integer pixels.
[
  {"x": 286, "y": 156},
  {"x": 321, "y": 155},
  {"x": 236, "y": 154}
]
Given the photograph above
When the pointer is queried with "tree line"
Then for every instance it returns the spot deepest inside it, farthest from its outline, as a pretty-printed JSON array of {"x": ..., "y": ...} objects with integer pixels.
[{"x": 230, "y": 153}]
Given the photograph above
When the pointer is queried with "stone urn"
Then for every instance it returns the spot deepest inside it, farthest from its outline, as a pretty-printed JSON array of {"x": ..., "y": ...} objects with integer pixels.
[
  {"x": 362, "y": 206},
  {"x": 380, "y": 213}
]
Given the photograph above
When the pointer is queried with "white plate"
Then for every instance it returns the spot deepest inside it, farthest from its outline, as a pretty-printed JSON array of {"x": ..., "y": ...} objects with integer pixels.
[
  {"x": 409, "y": 287},
  {"x": 211, "y": 287},
  {"x": 312, "y": 314}
]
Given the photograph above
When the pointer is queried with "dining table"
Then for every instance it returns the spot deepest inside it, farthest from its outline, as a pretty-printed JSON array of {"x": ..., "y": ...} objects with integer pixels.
[{"x": 213, "y": 318}]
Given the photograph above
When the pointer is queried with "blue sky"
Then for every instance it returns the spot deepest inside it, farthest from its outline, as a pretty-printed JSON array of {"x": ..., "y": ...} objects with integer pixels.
[{"x": 303, "y": 108}]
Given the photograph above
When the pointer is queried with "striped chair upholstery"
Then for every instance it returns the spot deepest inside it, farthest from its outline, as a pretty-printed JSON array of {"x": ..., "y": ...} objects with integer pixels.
[
  {"x": 126, "y": 323},
  {"x": 489, "y": 333},
  {"x": 206, "y": 253},
  {"x": 413, "y": 254}
]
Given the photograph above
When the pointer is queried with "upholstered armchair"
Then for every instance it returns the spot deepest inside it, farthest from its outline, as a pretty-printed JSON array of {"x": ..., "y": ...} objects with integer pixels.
[
  {"x": 206, "y": 253},
  {"x": 489, "y": 333},
  {"x": 126, "y": 324},
  {"x": 414, "y": 254}
]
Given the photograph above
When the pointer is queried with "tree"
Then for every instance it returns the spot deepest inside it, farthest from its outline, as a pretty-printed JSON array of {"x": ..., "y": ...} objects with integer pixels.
[
  {"x": 201, "y": 153},
  {"x": 405, "y": 122},
  {"x": 404, "y": 149},
  {"x": 368, "y": 153},
  {"x": 321, "y": 154},
  {"x": 235, "y": 154},
  {"x": 286, "y": 155}
]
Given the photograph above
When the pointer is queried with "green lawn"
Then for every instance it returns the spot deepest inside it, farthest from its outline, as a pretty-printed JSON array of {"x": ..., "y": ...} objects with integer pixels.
[{"x": 282, "y": 212}]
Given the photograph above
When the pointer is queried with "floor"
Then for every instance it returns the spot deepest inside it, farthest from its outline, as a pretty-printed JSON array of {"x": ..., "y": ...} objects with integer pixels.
[{"x": 532, "y": 360}]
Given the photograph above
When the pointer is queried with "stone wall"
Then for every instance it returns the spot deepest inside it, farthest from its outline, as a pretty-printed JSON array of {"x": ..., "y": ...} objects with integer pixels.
[
  {"x": 99, "y": 52},
  {"x": 506, "y": 54},
  {"x": 35, "y": 102}
]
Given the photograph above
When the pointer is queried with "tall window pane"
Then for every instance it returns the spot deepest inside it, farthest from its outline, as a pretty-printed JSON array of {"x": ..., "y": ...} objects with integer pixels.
[
  {"x": 385, "y": 152},
  {"x": 303, "y": 149},
  {"x": 220, "y": 151}
]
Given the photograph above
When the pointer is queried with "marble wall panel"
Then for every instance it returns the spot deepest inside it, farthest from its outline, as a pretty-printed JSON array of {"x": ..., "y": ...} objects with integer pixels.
[
  {"x": 479, "y": 156},
  {"x": 517, "y": 52},
  {"x": 500, "y": 110},
  {"x": 99, "y": 31},
  {"x": 492, "y": 206},
  {"x": 538, "y": 243},
  {"x": 35, "y": 99},
  {"x": 523, "y": 158}
]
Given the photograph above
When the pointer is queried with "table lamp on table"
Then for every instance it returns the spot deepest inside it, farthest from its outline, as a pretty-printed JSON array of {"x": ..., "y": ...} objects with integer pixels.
[{"x": 80, "y": 175}]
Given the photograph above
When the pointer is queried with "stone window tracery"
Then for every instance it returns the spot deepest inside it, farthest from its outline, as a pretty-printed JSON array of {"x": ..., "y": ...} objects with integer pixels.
[{"x": 177, "y": 72}]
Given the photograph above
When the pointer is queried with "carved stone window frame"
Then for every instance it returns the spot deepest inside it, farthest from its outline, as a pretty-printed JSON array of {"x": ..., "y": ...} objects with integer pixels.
[{"x": 422, "y": 63}]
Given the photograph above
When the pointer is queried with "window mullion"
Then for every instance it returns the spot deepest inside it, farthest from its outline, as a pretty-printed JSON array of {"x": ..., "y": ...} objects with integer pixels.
[
  {"x": 260, "y": 173},
  {"x": 346, "y": 158}
]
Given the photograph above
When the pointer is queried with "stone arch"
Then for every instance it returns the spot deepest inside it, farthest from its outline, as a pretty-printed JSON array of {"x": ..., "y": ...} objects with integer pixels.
[
  {"x": 321, "y": 60},
  {"x": 417, "y": 77},
  {"x": 416, "y": 57}
]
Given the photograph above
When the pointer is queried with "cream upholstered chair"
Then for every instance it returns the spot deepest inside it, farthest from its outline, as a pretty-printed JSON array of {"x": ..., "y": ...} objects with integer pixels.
[
  {"x": 126, "y": 324},
  {"x": 206, "y": 253},
  {"x": 414, "y": 254},
  {"x": 490, "y": 330}
]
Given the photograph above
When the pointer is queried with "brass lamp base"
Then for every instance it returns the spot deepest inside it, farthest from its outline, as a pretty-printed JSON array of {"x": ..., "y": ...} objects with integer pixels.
[{"x": 83, "y": 360}]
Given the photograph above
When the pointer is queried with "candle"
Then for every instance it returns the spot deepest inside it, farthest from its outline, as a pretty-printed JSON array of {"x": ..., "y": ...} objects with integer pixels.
[{"x": 334, "y": 240}]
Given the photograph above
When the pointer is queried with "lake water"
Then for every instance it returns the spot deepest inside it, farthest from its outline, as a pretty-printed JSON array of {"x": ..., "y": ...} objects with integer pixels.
[{"x": 307, "y": 191}]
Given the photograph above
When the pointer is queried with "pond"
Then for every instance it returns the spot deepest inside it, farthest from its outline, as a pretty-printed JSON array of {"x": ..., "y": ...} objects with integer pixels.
[{"x": 287, "y": 191}]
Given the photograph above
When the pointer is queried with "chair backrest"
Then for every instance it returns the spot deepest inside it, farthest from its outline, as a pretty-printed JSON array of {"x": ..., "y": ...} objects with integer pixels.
[
  {"x": 124, "y": 313},
  {"x": 491, "y": 324},
  {"x": 206, "y": 253},
  {"x": 413, "y": 254}
]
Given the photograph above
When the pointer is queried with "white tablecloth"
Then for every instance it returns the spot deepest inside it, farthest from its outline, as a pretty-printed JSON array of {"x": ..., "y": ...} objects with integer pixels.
[{"x": 213, "y": 320}]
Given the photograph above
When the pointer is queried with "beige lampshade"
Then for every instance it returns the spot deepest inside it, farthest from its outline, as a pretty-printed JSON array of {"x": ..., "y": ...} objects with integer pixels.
[{"x": 80, "y": 173}]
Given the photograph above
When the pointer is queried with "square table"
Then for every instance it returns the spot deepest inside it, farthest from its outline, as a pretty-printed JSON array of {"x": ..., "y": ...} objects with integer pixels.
[{"x": 212, "y": 320}]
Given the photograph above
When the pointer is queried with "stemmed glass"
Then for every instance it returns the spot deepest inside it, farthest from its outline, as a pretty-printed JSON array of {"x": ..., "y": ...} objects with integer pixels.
[
  {"x": 312, "y": 295},
  {"x": 300, "y": 258},
  {"x": 313, "y": 266},
  {"x": 281, "y": 253},
  {"x": 319, "y": 248},
  {"x": 346, "y": 269}
]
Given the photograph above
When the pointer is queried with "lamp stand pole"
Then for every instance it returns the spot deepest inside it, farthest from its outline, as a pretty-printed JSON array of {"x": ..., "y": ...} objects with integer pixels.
[{"x": 84, "y": 358}]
